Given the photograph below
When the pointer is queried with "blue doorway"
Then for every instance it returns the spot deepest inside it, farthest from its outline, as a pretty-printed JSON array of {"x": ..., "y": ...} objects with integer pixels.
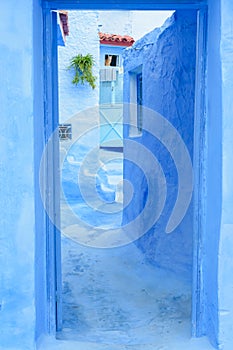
[{"x": 197, "y": 322}]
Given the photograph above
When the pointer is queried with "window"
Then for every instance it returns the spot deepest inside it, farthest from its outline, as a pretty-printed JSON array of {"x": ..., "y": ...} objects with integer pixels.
[
  {"x": 111, "y": 60},
  {"x": 65, "y": 132},
  {"x": 136, "y": 102},
  {"x": 139, "y": 102}
]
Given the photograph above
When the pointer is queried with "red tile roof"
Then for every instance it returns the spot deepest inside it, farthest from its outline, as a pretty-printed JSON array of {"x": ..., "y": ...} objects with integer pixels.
[
  {"x": 116, "y": 40},
  {"x": 64, "y": 22}
]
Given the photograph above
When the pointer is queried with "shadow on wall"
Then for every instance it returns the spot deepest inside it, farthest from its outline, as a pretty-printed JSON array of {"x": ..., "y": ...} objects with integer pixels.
[{"x": 166, "y": 60}]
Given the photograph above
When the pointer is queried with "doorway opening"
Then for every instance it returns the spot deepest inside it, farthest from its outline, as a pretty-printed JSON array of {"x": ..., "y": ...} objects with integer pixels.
[{"x": 117, "y": 294}]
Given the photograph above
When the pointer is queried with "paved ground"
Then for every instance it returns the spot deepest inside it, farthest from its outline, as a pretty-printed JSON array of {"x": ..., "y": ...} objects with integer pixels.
[{"x": 113, "y": 299}]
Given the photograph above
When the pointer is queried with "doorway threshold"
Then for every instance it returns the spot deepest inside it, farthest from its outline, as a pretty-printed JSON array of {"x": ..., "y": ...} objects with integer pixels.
[{"x": 50, "y": 343}]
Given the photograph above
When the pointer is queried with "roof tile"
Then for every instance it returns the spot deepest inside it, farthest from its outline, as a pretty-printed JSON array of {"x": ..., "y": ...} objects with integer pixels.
[
  {"x": 64, "y": 20},
  {"x": 117, "y": 40}
]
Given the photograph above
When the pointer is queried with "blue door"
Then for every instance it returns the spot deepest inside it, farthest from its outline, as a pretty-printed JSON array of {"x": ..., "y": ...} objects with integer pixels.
[
  {"x": 111, "y": 129},
  {"x": 111, "y": 108}
]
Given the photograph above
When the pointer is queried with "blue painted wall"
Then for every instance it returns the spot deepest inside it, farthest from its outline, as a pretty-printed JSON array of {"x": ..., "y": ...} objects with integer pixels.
[
  {"x": 210, "y": 243},
  {"x": 105, "y": 87},
  {"x": 22, "y": 284},
  {"x": 217, "y": 244},
  {"x": 111, "y": 93},
  {"x": 167, "y": 58},
  {"x": 17, "y": 206},
  {"x": 23, "y": 299},
  {"x": 40, "y": 294},
  {"x": 220, "y": 160},
  {"x": 109, "y": 49}
]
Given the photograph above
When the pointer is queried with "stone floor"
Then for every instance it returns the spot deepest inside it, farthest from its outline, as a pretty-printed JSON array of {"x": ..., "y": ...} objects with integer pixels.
[{"x": 112, "y": 298}]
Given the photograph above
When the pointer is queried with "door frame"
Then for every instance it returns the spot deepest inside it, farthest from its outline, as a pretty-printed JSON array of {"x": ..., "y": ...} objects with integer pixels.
[
  {"x": 53, "y": 244},
  {"x": 51, "y": 173}
]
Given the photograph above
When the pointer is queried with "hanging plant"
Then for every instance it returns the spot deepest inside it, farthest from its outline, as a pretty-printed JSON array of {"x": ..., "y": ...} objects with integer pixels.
[{"x": 83, "y": 66}]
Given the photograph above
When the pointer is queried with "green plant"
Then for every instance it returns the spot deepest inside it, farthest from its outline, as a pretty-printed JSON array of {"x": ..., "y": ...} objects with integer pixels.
[{"x": 83, "y": 66}]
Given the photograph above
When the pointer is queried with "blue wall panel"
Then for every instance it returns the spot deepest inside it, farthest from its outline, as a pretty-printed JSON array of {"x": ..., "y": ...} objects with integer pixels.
[
  {"x": 213, "y": 176},
  {"x": 168, "y": 75},
  {"x": 39, "y": 142},
  {"x": 225, "y": 263},
  {"x": 17, "y": 207}
]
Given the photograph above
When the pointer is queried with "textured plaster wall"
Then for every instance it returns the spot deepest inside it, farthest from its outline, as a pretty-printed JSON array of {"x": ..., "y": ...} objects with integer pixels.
[
  {"x": 83, "y": 39},
  {"x": 167, "y": 57},
  {"x": 21, "y": 104},
  {"x": 41, "y": 302},
  {"x": 225, "y": 266},
  {"x": 218, "y": 240},
  {"x": 210, "y": 243},
  {"x": 17, "y": 208},
  {"x": 115, "y": 22}
]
